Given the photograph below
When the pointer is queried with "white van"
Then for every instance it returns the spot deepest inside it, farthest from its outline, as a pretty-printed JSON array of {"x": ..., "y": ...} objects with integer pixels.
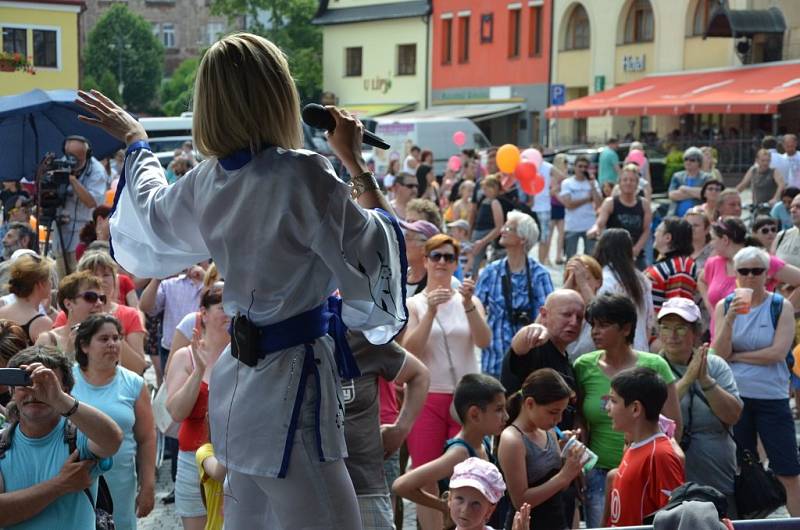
[
  {"x": 167, "y": 134},
  {"x": 435, "y": 134}
]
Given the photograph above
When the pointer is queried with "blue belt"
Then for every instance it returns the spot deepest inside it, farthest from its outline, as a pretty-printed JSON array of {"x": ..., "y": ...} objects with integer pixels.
[{"x": 304, "y": 329}]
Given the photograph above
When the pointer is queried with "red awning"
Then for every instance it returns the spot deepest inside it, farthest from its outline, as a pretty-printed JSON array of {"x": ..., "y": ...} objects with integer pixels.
[{"x": 757, "y": 89}]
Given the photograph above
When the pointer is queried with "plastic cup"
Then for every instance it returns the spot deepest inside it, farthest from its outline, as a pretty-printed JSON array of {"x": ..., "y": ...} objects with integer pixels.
[
  {"x": 588, "y": 460},
  {"x": 745, "y": 294}
]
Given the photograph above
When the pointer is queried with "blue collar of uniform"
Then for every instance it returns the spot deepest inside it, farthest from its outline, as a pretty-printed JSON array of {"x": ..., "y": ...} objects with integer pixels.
[{"x": 239, "y": 159}]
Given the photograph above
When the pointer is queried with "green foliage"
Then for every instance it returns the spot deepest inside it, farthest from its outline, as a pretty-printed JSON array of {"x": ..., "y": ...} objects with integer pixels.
[
  {"x": 123, "y": 42},
  {"x": 176, "y": 92},
  {"x": 288, "y": 26},
  {"x": 107, "y": 84},
  {"x": 673, "y": 163}
]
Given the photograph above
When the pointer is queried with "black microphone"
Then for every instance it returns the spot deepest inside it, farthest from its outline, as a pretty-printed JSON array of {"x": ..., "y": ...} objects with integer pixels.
[{"x": 318, "y": 117}]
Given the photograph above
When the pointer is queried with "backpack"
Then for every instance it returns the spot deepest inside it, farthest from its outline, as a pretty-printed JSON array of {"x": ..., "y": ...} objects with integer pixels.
[{"x": 104, "y": 508}]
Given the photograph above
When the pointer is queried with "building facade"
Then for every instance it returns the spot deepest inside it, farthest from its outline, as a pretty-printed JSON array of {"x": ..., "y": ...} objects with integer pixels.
[
  {"x": 494, "y": 53},
  {"x": 375, "y": 54},
  {"x": 47, "y": 33},
  {"x": 184, "y": 27}
]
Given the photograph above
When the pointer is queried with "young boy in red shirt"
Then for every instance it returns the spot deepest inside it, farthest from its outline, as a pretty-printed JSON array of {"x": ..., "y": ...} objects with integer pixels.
[{"x": 650, "y": 468}]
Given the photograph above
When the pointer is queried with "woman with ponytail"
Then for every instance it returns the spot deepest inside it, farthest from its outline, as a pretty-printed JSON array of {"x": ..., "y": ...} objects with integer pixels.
[{"x": 529, "y": 454}]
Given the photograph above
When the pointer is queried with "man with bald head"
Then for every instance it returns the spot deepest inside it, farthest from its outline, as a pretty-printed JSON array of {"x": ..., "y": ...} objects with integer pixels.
[{"x": 562, "y": 318}]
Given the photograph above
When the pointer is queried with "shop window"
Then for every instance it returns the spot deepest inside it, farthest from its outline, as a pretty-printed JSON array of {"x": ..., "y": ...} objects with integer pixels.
[
  {"x": 639, "y": 25},
  {"x": 577, "y": 30},
  {"x": 353, "y": 61},
  {"x": 407, "y": 59}
]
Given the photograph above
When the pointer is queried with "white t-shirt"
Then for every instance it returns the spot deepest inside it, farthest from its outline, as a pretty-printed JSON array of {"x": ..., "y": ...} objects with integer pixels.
[
  {"x": 790, "y": 169},
  {"x": 407, "y": 165},
  {"x": 582, "y": 218},
  {"x": 541, "y": 201}
]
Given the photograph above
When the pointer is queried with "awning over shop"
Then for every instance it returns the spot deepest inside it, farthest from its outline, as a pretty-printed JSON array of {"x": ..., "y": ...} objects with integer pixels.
[
  {"x": 476, "y": 112},
  {"x": 753, "y": 89},
  {"x": 378, "y": 109}
]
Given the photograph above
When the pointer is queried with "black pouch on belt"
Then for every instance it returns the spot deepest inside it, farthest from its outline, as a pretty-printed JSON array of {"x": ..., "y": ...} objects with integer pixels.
[{"x": 245, "y": 342}]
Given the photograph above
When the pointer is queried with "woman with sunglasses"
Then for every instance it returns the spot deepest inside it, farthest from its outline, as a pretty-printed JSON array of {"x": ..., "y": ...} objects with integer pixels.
[
  {"x": 754, "y": 336},
  {"x": 444, "y": 328},
  {"x": 80, "y": 295},
  {"x": 102, "y": 383},
  {"x": 765, "y": 230},
  {"x": 718, "y": 280}
]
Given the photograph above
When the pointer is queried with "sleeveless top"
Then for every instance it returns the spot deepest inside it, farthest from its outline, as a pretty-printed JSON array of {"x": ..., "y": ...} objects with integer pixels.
[
  {"x": 764, "y": 186},
  {"x": 192, "y": 432},
  {"x": 631, "y": 218},
  {"x": 541, "y": 465},
  {"x": 484, "y": 220},
  {"x": 26, "y": 327}
]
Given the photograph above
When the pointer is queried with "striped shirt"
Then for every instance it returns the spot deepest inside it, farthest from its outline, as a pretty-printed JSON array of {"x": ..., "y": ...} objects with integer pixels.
[{"x": 672, "y": 278}]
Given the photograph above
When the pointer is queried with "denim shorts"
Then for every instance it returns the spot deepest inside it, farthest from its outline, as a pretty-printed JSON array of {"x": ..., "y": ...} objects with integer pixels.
[
  {"x": 188, "y": 502},
  {"x": 771, "y": 420}
]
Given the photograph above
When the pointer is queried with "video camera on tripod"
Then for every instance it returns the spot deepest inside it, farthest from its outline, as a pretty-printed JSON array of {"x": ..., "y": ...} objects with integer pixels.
[{"x": 54, "y": 186}]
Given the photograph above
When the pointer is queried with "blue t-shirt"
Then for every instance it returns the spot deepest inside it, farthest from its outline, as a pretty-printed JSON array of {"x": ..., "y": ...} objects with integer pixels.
[
  {"x": 607, "y": 163},
  {"x": 780, "y": 213},
  {"x": 31, "y": 461},
  {"x": 682, "y": 179}
]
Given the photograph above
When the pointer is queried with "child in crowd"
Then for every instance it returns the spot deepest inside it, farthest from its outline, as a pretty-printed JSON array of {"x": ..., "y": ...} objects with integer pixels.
[
  {"x": 529, "y": 452},
  {"x": 459, "y": 230},
  {"x": 212, "y": 476},
  {"x": 475, "y": 489},
  {"x": 650, "y": 468},
  {"x": 480, "y": 403}
]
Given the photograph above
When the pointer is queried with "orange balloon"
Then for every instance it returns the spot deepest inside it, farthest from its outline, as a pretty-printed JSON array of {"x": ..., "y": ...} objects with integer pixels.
[{"x": 507, "y": 158}]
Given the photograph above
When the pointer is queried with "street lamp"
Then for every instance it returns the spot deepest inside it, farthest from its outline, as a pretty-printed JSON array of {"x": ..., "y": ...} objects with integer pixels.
[{"x": 119, "y": 45}]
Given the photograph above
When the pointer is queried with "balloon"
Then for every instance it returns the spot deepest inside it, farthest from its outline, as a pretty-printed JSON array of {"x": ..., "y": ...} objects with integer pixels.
[
  {"x": 533, "y": 155},
  {"x": 459, "y": 138},
  {"x": 637, "y": 157},
  {"x": 507, "y": 158},
  {"x": 533, "y": 186},
  {"x": 525, "y": 171},
  {"x": 454, "y": 163}
]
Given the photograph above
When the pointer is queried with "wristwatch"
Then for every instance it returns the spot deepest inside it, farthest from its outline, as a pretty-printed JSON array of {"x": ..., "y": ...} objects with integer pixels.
[
  {"x": 72, "y": 409},
  {"x": 363, "y": 182}
]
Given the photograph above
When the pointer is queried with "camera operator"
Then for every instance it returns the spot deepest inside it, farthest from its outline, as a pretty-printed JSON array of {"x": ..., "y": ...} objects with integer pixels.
[
  {"x": 42, "y": 478},
  {"x": 512, "y": 289},
  {"x": 86, "y": 190}
]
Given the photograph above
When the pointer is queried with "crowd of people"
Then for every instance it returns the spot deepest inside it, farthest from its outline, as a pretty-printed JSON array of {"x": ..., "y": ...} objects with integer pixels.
[{"x": 501, "y": 401}]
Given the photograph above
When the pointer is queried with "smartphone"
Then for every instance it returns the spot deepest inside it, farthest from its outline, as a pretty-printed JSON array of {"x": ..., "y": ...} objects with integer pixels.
[{"x": 14, "y": 377}]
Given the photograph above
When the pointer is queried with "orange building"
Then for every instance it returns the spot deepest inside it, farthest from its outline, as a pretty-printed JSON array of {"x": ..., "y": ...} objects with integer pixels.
[{"x": 493, "y": 57}]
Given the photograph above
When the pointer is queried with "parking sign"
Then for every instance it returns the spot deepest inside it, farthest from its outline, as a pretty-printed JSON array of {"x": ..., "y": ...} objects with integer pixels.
[{"x": 558, "y": 95}]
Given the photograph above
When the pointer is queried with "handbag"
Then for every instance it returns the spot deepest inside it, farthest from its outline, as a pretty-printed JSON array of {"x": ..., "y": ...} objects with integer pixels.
[
  {"x": 103, "y": 510},
  {"x": 758, "y": 492},
  {"x": 161, "y": 415}
]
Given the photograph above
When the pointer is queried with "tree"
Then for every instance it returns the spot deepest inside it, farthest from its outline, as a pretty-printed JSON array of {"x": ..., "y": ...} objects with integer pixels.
[
  {"x": 122, "y": 44},
  {"x": 287, "y": 23},
  {"x": 176, "y": 92}
]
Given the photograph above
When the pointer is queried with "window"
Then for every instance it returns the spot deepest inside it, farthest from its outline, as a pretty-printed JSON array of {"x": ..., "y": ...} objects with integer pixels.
[
  {"x": 463, "y": 39},
  {"x": 513, "y": 32},
  {"x": 702, "y": 14},
  {"x": 15, "y": 40},
  {"x": 406, "y": 59},
  {"x": 213, "y": 32},
  {"x": 577, "y": 30},
  {"x": 447, "y": 41},
  {"x": 639, "y": 24},
  {"x": 535, "y": 35},
  {"x": 352, "y": 59},
  {"x": 168, "y": 36},
  {"x": 45, "y": 48}
]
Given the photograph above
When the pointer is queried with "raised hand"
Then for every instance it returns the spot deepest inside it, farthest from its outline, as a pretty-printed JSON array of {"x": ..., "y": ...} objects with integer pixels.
[{"x": 110, "y": 117}]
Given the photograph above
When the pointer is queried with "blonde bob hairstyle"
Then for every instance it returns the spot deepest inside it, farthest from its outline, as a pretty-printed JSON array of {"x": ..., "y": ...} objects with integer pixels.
[{"x": 244, "y": 97}]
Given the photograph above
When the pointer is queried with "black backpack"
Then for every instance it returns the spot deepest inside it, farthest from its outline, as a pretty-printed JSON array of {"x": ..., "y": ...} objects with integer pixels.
[{"x": 104, "y": 508}]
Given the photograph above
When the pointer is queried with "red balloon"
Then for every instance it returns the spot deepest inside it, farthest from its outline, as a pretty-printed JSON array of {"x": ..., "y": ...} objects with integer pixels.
[
  {"x": 525, "y": 171},
  {"x": 533, "y": 186}
]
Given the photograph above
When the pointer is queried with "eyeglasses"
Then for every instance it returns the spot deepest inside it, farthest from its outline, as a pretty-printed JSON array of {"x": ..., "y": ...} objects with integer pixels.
[
  {"x": 411, "y": 186},
  {"x": 754, "y": 271},
  {"x": 92, "y": 297},
  {"x": 768, "y": 230},
  {"x": 681, "y": 331},
  {"x": 509, "y": 229},
  {"x": 439, "y": 256}
]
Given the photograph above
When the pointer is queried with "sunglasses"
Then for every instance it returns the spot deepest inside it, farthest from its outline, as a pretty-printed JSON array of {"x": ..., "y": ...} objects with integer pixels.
[
  {"x": 439, "y": 256},
  {"x": 692, "y": 160},
  {"x": 754, "y": 271},
  {"x": 768, "y": 230},
  {"x": 92, "y": 297}
]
